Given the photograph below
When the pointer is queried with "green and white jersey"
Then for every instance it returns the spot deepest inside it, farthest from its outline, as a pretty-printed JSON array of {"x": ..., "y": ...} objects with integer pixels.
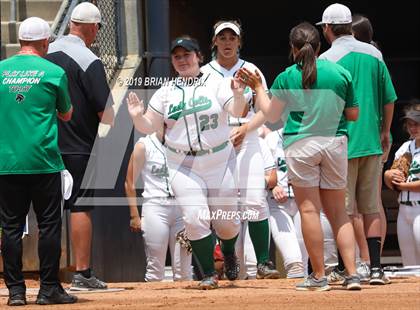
[
  {"x": 32, "y": 90},
  {"x": 218, "y": 72},
  {"x": 413, "y": 172},
  {"x": 195, "y": 113},
  {"x": 318, "y": 111},
  {"x": 373, "y": 89},
  {"x": 274, "y": 141},
  {"x": 267, "y": 156},
  {"x": 155, "y": 173}
]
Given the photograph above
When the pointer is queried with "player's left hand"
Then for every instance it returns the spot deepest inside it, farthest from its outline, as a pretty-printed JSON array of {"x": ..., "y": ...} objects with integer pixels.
[
  {"x": 135, "y": 224},
  {"x": 238, "y": 134},
  {"x": 397, "y": 179}
]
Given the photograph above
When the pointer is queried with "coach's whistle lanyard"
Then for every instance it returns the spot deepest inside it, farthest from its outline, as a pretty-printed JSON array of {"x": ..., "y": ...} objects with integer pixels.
[{"x": 166, "y": 167}]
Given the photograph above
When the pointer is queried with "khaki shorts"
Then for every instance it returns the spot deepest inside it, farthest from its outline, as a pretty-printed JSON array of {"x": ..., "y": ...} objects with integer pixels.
[
  {"x": 318, "y": 162},
  {"x": 363, "y": 184}
]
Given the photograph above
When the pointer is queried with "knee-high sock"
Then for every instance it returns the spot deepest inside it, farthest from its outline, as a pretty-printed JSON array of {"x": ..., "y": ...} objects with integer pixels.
[
  {"x": 260, "y": 236},
  {"x": 203, "y": 251},
  {"x": 228, "y": 246},
  {"x": 374, "y": 245}
]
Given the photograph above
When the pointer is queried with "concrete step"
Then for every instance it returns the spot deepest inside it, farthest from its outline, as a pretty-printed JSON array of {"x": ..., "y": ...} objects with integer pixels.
[
  {"x": 9, "y": 31},
  {"x": 10, "y": 49},
  {"x": 46, "y": 9}
]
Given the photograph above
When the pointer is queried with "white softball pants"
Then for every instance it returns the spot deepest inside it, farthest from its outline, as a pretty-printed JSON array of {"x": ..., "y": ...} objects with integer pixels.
[
  {"x": 284, "y": 232},
  {"x": 284, "y": 235},
  {"x": 250, "y": 175},
  {"x": 161, "y": 221},
  {"x": 408, "y": 230},
  {"x": 206, "y": 192},
  {"x": 246, "y": 254}
]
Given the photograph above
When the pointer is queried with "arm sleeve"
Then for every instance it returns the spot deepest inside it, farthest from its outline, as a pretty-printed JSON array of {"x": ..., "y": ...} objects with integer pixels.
[
  {"x": 224, "y": 93},
  {"x": 96, "y": 86},
  {"x": 278, "y": 89},
  {"x": 156, "y": 103},
  {"x": 279, "y": 158},
  {"x": 63, "y": 102},
  {"x": 351, "y": 99},
  {"x": 388, "y": 91},
  {"x": 271, "y": 142},
  {"x": 268, "y": 158}
]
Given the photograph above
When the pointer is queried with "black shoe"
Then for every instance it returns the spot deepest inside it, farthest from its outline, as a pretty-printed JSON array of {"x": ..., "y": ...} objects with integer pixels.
[
  {"x": 17, "y": 300},
  {"x": 231, "y": 267},
  {"x": 377, "y": 277},
  {"x": 57, "y": 296},
  {"x": 80, "y": 283}
]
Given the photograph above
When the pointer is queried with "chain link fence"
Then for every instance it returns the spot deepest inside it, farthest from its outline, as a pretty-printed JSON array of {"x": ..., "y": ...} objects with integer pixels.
[{"x": 107, "y": 46}]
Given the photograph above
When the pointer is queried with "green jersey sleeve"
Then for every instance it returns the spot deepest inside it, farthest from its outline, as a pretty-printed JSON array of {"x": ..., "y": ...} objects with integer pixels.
[
  {"x": 351, "y": 99},
  {"x": 278, "y": 89},
  {"x": 388, "y": 91}
]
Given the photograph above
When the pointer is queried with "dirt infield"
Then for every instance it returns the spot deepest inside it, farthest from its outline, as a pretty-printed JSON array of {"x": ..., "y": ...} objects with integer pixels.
[{"x": 403, "y": 293}]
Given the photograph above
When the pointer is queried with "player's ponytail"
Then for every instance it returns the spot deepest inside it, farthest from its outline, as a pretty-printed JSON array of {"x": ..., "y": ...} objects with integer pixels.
[{"x": 305, "y": 43}]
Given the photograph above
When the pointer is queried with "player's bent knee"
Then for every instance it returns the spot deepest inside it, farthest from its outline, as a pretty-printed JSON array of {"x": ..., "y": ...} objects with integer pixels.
[{"x": 226, "y": 230}]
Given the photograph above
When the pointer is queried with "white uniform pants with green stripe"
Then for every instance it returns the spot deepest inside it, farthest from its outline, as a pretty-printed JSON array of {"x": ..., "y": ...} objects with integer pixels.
[
  {"x": 161, "y": 221},
  {"x": 408, "y": 230},
  {"x": 250, "y": 176},
  {"x": 284, "y": 232},
  {"x": 206, "y": 192}
]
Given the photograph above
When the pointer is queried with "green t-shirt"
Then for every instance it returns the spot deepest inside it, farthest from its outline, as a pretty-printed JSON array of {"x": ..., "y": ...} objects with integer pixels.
[
  {"x": 32, "y": 90},
  {"x": 372, "y": 87},
  {"x": 318, "y": 111}
]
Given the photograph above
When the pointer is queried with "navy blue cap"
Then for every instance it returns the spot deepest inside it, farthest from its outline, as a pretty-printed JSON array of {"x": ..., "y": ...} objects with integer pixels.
[{"x": 188, "y": 44}]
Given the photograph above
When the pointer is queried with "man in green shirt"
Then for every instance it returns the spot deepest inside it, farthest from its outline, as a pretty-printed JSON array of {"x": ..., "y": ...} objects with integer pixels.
[
  {"x": 369, "y": 136},
  {"x": 33, "y": 92}
]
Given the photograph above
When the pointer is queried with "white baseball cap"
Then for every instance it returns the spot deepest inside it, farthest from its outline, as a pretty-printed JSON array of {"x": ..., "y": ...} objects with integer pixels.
[
  {"x": 34, "y": 29},
  {"x": 227, "y": 25},
  {"x": 336, "y": 14},
  {"x": 86, "y": 13}
]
